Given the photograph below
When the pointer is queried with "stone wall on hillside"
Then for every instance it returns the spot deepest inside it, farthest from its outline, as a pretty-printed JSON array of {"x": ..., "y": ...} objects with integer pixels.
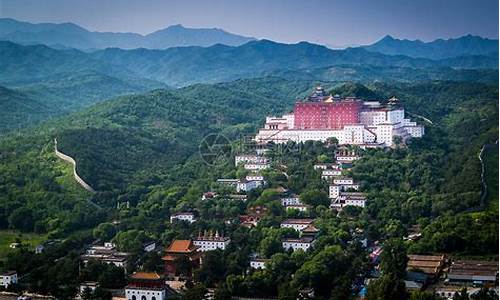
[{"x": 73, "y": 163}]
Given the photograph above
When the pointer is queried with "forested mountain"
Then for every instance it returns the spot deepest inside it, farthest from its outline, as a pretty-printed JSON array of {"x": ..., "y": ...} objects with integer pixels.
[
  {"x": 57, "y": 82},
  {"x": 144, "y": 150},
  {"x": 19, "y": 110},
  {"x": 63, "y": 81},
  {"x": 368, "y": 73},
  {"x": 186, "y": 65},
  {"x": 69, "y": 35},
  {"x": 181, "y": 66},
  {"x": 438, "y": 49}
]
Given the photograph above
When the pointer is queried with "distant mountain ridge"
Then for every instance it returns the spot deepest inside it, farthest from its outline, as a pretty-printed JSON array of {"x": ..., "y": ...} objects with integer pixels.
[
  {"x": 181, "y": 66},
  {"x": 69, "y": 35},
  {"x": 438, "y": 49}
]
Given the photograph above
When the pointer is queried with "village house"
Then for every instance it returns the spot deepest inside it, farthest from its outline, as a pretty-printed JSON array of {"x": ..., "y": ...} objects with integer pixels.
[
  {"x": 254, "y": 159},
  {"x": 329, "y": 174},
  {"x": 256, "y": 166},
  {"x": 473, "y": 272},
  {"x": 303, "y": 243},
  {"x": 8, "y": 278},
  {"x": 179, "y": 249},
  {"x": 183, "y": 216},
  {"x": 348, "y": 198},
  {"x": 326, "y": 166},
  {"x": 297, "y": 224},
  {"x": 310, "y": 230},
  {"x": 226, "y": 181},
  {"x": 431, "y": 265},
  {"x": 146, "y": 286},
  {"x": 244, "y": 185},
  {"x": 106, "y": 254},
  {"x": 210, "y": 241},
  {"x": 448, "y": 291},
  {"x": 290, "y": 200},
  {"x": 254, "y": 177},
  {"x": 258, "y": 263}
]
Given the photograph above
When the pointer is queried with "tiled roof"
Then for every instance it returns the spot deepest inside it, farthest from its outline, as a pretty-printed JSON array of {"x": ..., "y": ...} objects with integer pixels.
[
  {"x": 181, "y": 246},
  {"x": 145, "y": 275}
]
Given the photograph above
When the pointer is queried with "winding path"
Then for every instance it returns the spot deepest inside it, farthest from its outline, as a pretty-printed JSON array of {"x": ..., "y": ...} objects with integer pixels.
[
  {"x": 484, "y": 186},
  {"x": 70, "y": 159}
]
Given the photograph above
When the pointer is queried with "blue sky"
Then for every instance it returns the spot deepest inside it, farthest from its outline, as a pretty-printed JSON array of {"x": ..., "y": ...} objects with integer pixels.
[{"x": 330, "y": 22}]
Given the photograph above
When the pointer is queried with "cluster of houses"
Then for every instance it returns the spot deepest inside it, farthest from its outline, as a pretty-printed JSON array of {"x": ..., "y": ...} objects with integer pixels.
[
  {"x": 445, "y": 276},
  {"x": 343, "y": 191}
]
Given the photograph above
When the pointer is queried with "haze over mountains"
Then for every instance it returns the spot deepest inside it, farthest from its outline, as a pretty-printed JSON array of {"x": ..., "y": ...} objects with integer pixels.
[
  {"x": 69, "y": 35},
  {"x": 438, "y": 49}
]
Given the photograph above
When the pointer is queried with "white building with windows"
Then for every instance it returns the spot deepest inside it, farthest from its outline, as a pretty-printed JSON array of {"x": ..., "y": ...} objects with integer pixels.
[
  {"x": 329, "y": 174},
  {"x": 349, "y": 198},
  {"x": 248, "y": 185},
  {"x": 290, "y": 200},
  {"x": 183, "y": 216},
  {"x": 326, "y": 166},
  {"x": 303, "y": 243},
  {"x": 210, "y": 241},
  {"x": 8, "y": 278},
  {"x": 258, "y": 263},
  {"x": 297, "y": 224},
  {"x": 146, "y": 286},
  {"x": 256, "y": 166},
  {"x": 377, "y": 125},
  {"x": 249, "y": 159}
]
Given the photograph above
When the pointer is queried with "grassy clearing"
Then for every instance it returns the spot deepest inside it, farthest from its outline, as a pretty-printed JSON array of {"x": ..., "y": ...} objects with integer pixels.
[{"x": 11, "y": 236}]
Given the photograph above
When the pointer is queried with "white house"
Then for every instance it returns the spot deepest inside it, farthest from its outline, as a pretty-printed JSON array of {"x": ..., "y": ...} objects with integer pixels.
[
  {"x": 209, "y": 241},
  {"x": 326, "y": 166},
  {"x": 8, "y": 278},
  {"x": 230, "y": 182},
  {"x": 303, "y": 243},
  {"x": 349, "y": 198},
  {"x": 245, "y": 185},
  {"x": 254, "y": 159},
  {"x": 343, "y": 180},
  {"x": 291, "y": 200},
  {"x": 256, "y": 166},
  {"x": 183, "y": 216},
  {"x": 297, "y": 224},
  {"x": 330, "y": 173},
  {"x": 334, "y": 190},
  {"x": 258, "y": 263},
  {"x": 254, "y": 177}
]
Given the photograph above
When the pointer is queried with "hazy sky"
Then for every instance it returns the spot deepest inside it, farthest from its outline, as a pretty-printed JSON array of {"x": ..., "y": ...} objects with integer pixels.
[{"x": 331, "y": 22}]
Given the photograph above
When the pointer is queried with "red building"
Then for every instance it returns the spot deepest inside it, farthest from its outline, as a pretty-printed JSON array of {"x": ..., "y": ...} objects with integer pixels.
[
  {"x": 181, "y": 251},
  {"x": 329, "y": 114}
]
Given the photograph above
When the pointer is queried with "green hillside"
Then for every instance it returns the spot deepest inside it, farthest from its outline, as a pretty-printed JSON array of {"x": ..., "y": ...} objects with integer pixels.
[{"x": 19, "y": 109}]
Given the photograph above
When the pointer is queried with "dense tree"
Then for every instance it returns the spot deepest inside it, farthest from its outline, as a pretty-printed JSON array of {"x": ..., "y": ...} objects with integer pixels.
[
  {"x": 393, "y": 259},
  {"x": 387, "y": 287}
]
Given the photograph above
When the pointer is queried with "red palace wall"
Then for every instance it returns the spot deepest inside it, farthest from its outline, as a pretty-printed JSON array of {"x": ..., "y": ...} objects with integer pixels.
[{"x": 326, "y": 115}]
